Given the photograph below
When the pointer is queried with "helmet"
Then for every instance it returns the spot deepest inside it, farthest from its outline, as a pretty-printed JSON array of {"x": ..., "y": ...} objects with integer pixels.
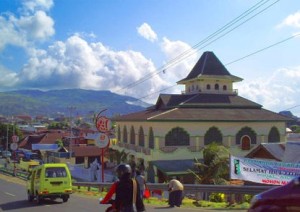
[{"x": 122, "y": 170}]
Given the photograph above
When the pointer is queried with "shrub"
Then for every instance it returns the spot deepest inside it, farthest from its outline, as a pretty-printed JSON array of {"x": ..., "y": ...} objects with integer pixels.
[{"x": 217, "y": 197}]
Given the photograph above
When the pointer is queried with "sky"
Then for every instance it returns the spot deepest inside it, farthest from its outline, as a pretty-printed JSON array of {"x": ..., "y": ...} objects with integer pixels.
[{"x": 143, "y": 48}]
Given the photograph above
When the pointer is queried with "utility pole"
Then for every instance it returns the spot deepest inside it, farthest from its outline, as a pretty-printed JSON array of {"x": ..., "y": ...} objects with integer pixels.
[
  {"x": 71, "y": 108},
  {"x": 7, "y": 137}
]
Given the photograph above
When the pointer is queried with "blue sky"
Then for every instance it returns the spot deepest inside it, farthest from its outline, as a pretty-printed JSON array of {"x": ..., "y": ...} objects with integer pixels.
[{"x": 108, "y": 45}]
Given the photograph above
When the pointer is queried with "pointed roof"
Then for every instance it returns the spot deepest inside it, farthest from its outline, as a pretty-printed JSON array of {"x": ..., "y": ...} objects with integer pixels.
[{"x": 209, "y": 65}]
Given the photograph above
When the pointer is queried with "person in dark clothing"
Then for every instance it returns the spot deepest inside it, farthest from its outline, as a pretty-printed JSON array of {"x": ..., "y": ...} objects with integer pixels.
[{"x": 124, "y": 192}]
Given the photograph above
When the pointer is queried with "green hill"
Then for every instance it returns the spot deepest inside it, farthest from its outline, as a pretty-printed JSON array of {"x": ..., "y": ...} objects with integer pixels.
[{"x": 53, "y": 102}]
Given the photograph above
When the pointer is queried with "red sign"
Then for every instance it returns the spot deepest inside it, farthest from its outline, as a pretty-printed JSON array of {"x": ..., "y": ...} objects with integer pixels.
[
  {"x": 102, "y": 141},
  {"x": 103, "y": 124},
  {"x": 15, "y": 138}
]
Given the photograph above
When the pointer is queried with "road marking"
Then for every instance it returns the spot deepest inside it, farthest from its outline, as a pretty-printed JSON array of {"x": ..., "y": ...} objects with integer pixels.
[{"x": 10, "y": 194}]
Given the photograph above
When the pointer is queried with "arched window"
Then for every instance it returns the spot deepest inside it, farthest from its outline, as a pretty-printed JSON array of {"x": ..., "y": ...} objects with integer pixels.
[
  {"x": 208, "y": 86},
  {"x": 246, "y": 143},
  {"x": 274, "y": 136},
  {"x": 151, "y": 138},
  {"x": 224, "y": 88},
  {"x": 246, "y": 131},
  {"x": 213, "y": 135},
  {"x": 177, "y": 137},
  {"x": 132, "y": 136},
  {"x": 141, "y": 137},
  {"x": 216, "y": 86},
  {"x": 125, "y": 140}
]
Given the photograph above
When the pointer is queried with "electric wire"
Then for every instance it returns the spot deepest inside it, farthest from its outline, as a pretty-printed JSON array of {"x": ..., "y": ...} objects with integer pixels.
[
  {"x": 196, "y": 47},
  {"x": 239, "y": 59}
]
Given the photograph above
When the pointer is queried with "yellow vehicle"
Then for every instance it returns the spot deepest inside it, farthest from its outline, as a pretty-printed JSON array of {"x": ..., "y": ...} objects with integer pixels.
[
  {"x": 27, "y": 165},
  {"x": 50, "y": 180}
]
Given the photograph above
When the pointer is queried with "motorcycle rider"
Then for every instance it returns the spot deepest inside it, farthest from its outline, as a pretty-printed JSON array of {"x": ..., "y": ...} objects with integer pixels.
[{"x": 124, "y": 191}]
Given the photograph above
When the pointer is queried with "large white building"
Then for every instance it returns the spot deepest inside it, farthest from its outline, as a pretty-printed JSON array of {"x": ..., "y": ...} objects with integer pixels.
[{"x": 166, "y": 137}]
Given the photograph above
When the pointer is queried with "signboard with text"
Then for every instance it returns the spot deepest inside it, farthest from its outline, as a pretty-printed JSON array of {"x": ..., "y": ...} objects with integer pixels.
[{"x": 263, "y": 171}]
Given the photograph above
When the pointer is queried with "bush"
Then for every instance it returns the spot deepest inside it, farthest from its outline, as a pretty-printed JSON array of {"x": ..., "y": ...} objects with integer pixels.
[
  {"x": 217, "y": 197},
  {"x": 248, "y": 197}
]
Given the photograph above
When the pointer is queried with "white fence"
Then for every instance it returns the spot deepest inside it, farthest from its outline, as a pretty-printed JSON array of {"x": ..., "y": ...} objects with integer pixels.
[{"x": 89, "y": 175}]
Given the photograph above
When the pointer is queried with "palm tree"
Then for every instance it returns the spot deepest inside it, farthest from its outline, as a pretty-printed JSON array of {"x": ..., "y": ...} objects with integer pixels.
[{"x": 215, "y": 166}]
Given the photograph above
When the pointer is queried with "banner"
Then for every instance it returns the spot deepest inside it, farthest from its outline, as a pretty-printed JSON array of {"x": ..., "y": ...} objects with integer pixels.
[{"x": 263, "y": 171}]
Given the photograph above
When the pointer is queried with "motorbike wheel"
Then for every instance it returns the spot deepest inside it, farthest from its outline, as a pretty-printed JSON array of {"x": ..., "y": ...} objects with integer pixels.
[{"x": 111, "y": 209}]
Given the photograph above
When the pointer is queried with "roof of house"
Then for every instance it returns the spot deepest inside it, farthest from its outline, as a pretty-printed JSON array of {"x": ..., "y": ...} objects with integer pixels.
[
  {"x": 49, "y": 137},
  {"x": 209, "y": 65},
  {"x": 203, "y": 107},
  {"x": 272, "y": 151},
  {"x": 86, "y": 151}
]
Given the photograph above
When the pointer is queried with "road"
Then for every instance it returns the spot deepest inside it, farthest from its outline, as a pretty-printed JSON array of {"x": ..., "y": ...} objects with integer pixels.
[{"x": 13, "y": 198}]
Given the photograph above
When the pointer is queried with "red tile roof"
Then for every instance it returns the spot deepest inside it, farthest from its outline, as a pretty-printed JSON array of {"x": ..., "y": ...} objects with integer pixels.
[
  {"x": 203, "y": 107},
  {"x": 49, "y": 137},
  {"x": 86, "y": 151}
]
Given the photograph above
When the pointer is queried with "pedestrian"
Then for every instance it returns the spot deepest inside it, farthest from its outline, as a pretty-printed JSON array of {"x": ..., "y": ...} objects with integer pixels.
[
  {"x": 175, "y": 189},
  {"x": 142, "y": 183},
  {"x": 125, "y": 189}
]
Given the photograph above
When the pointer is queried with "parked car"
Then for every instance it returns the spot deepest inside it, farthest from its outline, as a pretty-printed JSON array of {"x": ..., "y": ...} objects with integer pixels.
[
  {"x": 278, "y": 199},
  {"x": 6, "y": 154}
]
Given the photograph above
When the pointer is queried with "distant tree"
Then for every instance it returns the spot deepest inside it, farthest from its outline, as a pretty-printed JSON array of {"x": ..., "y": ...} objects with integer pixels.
[
  {"x": 59, "y": 142},
  {"x": 215, "y": 166},
  {"x": 295, "y": 128},
  {"x": 58, "y": 125}
]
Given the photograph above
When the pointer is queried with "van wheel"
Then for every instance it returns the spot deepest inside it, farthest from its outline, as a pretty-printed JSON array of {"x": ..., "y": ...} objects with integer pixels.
[
  {"x": 29, "y": 197},
  {"x": 65, "y": 198}
]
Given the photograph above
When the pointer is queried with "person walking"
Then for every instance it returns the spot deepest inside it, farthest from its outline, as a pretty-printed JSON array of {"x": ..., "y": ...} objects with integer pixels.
[
  {"x": 124, "y": 190},
  {"x": 142, "y": 182},
  {"x": 175, "y": 189}
]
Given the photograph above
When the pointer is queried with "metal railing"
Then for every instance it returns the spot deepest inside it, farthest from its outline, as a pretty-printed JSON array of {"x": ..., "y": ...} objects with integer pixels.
[{"x": 191, "y": 188}]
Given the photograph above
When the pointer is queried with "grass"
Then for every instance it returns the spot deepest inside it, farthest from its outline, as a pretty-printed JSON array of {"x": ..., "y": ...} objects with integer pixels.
[{"x": 187, "y": 202}]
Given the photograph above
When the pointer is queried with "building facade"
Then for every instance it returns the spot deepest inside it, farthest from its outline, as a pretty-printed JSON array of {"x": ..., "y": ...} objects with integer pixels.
[{"x": 166, "y": 137}]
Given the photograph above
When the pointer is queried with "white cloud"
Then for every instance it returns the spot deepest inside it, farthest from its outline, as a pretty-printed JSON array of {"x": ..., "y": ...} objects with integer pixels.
[
  {"x": 280, "y": 92},
  {"x": 180, "y": 59},
  {"x": 9, "y": 34},
  {"x": 146, "y": 31},
  {"x": 292, "y": 21},
  {"x": 30, "y": 27},
  {"x": 38, "y": 26},
  {"x": 79, "y": 64},
  {"x": 33, "y": 5},
  {"x": 8, "y": 78}
]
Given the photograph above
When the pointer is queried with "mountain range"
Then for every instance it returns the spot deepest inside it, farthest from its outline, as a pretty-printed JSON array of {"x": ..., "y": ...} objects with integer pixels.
[{"x": 76, "y": 101}]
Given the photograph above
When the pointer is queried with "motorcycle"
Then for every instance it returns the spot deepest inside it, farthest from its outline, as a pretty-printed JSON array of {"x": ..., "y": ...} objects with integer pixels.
[{"x": 111, "y": 208}]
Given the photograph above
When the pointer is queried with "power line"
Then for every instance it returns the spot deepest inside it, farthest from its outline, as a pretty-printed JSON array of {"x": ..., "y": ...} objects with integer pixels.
[
  {"x": 242, "y": 58},
  {"x": 265, "y": 48},
  {"x": 197, "y": 47}
]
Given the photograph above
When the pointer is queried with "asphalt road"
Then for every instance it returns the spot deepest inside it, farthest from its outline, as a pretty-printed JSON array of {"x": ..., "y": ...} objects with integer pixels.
[{"x": 13, "y": 198}]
